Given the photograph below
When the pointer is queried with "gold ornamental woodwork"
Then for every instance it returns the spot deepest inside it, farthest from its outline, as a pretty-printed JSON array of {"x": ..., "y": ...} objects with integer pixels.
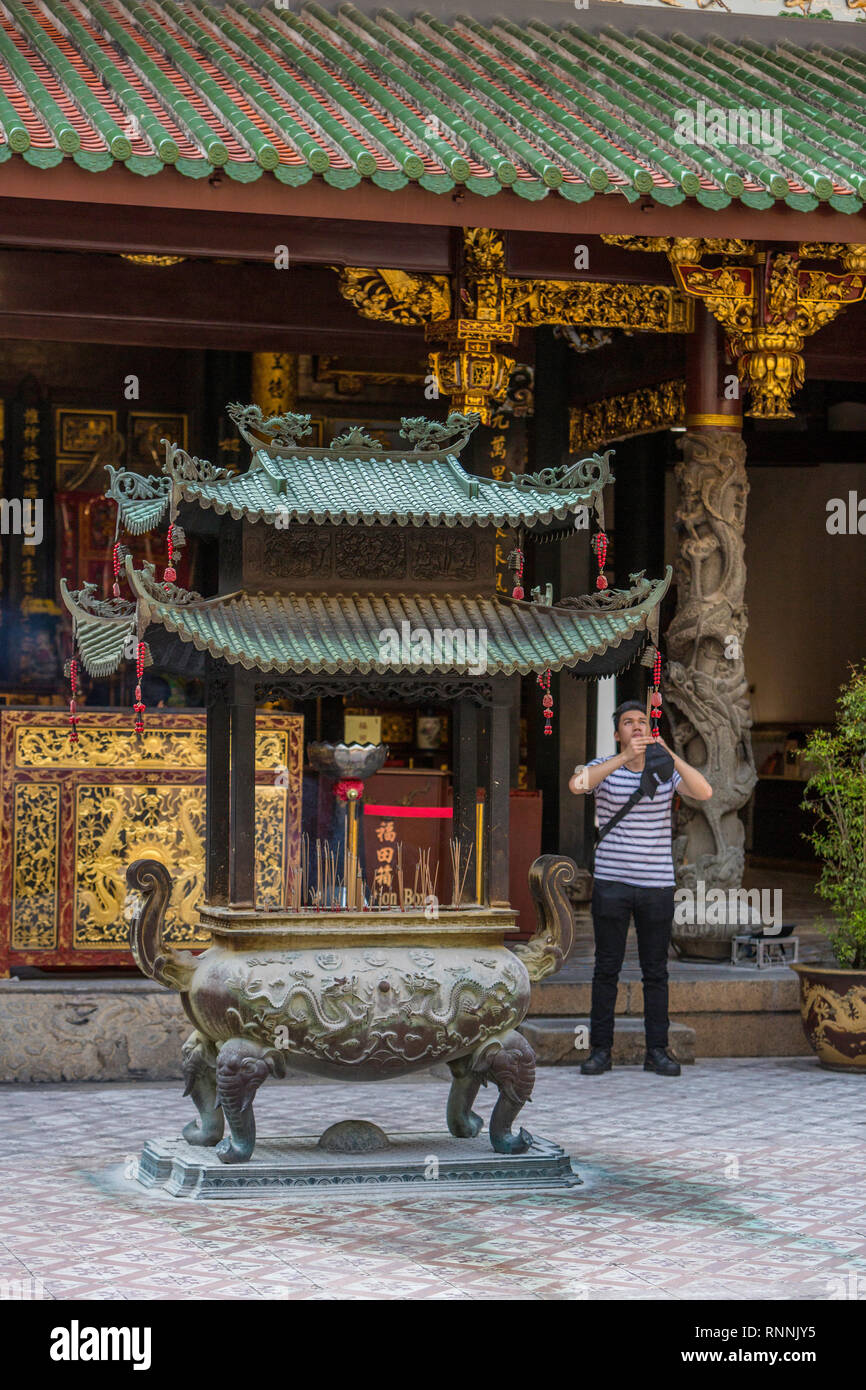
[
  {"x": 158, "y": 262},
  {"x": 767, "y": 303},
  {"x": 75, "y": 816},
  {"x": 396, "y": 296},
  {"x": 621, "y": 417},
  {"x": 852, "y": 255},
  {"x": 768, "y": 309},
  {"x": 597, "y": 304},
  {"x": 468, "y": 366},
  {"x": 491, "y": 307},
  {"x": 689, "y": 248},
  {"x": 36, "y": 836},
  {"x": 532, "y": 303}
]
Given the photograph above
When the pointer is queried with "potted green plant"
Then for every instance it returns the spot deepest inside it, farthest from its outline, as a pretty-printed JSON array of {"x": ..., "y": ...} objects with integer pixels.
[{"x": 833, "y": 998}]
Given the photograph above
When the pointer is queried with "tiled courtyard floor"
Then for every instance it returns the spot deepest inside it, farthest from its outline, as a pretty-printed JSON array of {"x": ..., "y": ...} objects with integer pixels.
[{"x": 741, "y": 1179}]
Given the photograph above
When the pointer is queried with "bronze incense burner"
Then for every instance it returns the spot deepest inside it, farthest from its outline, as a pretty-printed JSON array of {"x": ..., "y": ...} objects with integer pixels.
[{"x": 355, "y": 996}]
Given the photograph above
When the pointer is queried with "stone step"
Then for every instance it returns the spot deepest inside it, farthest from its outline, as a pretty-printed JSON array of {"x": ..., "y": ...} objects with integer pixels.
[
  {"x": 553, "y": 1040},
  {"x": 734, "y": 1012}
]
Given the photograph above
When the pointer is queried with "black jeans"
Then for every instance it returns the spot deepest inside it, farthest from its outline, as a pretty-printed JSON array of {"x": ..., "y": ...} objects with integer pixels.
[{"x": 613, "y": 905}]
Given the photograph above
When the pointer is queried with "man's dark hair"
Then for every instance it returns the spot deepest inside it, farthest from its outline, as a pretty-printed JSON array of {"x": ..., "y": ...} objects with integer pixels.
[{"x": 623, "y": 709}]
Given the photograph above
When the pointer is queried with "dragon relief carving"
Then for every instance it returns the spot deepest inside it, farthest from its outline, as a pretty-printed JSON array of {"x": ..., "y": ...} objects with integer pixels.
[
  {"x": 396, "y": 296},
  {"x": 379, "y": 1015},
  {"x": 268, "y": 432},
  {"x": 705, "y": 679},
  {"x": 593, "y": 472},
  {"x": 611, "y": 600},
  {"x": 450, "y": 435}
]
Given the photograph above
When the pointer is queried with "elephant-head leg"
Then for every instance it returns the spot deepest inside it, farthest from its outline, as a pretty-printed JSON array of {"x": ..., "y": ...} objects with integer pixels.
[
  {"x": 199, "y": 1074},
  {"x": 463, "y": 1123},
  {"x": 242, "y": 1066},
  {"x": 509, "y": 1062}
]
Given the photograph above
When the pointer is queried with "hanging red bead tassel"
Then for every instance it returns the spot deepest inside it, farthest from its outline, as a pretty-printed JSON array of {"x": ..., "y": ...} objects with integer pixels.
[
  {"x": 170, "y": 574},
  {"x": 655, "y": 695},
  {"x": 139, "y": 706},
  {"x": 599, "y": 545},
  {"x": 115, "y": 564},
  {"x": 547, "y": 700},
  {"x": 515, "y": 563},
  {"x": 517, "y": 591},
  {"x": 74, "y": 716}
]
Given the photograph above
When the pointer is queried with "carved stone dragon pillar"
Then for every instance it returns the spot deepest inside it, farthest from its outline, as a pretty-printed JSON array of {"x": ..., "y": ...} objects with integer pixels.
[{"x": 705, "y": 679}]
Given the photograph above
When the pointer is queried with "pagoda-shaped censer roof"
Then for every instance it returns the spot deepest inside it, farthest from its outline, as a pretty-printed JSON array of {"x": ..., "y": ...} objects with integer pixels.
[
  {"x": 343, "y": 632},
  {"x": 360, "y": 481},
  {"x": 431, "y": 604}
]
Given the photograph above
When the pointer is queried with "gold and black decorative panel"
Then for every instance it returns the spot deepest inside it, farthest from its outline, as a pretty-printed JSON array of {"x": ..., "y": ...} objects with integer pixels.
[
  {"x": 74, "y": 818},
  {"x": 35, "y": 841}
]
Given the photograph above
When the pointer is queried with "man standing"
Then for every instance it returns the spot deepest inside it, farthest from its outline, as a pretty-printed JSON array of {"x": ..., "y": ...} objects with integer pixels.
[{"x": 633, "y": 876}]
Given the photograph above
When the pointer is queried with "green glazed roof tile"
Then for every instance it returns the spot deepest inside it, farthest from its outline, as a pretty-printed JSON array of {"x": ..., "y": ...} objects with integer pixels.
[
  {"x": 393, "y": 487},
  {"x": 537, "y": 109},
  {"x": 311, "y": 632}
]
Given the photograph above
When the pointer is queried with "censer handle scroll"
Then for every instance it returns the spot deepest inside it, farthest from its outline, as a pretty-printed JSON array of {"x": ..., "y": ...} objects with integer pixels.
[
  {"x": 151, "y": 881},
  {"x": 550, "y": 876}
]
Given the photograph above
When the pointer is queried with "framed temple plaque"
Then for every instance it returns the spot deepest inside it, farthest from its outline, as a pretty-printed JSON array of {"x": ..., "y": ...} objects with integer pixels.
[{"x": 145, "y": 429}]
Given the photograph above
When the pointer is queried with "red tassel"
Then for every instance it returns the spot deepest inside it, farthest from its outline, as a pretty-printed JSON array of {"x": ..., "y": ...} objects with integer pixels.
[
  {"x": 139, "y": 706},
  {"x": 115, "y": 561},
  {"x": 170, "y": 573},
  {"x": 74, "y": 716},
  {"x": 517, "y": 591},
  {"x": 599, "y": 545},
  {"x": 547, "y": 701},
  {"x": 655, "y": 695}
]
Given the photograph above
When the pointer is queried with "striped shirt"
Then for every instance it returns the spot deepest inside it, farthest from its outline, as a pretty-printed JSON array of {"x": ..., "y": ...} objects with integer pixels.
[{"x": 638, "y": 849}]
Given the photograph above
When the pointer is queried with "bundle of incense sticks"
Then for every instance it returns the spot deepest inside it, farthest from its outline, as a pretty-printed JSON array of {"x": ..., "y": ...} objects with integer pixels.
[
  {"x": 425, "y": 882},
  {"x": 298, "y": 893},
  {"x": 458, "y": 874},
  {"x": 400, "y": 902}
]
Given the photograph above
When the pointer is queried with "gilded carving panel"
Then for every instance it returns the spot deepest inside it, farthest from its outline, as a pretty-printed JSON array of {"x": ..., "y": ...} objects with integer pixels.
[
  {"x": 73, "y": 818},
  {"x": 34, "y": 865}
]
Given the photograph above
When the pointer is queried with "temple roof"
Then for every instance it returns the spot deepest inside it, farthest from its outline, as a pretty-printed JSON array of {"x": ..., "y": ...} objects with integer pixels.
[
  {"x": 373, "y": 97},
  {"x": 392, "y": 486},
  {"x": 315, "y": 633}
]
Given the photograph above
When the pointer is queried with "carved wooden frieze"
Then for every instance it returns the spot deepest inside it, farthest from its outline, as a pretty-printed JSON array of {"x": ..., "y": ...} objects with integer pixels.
[
  {"x": 433, "y": 555},
  {"x": 370, "y": 553},
  {"x": 380, "y": 558},
  {"x": 294, "y": 552}
]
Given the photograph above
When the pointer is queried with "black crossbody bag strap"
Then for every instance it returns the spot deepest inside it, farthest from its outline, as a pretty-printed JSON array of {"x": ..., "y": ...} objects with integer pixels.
[{"x": 617, "y": 817}]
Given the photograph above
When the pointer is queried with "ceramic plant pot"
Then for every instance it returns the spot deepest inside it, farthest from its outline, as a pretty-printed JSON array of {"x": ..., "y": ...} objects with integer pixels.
[
  {"x": 355, "y": 996},
  {"x": 833, "y": 1011}
]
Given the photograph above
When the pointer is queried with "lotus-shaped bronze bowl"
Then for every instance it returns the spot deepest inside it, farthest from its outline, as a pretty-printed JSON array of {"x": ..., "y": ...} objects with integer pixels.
[{"x": 357, "y": 761}]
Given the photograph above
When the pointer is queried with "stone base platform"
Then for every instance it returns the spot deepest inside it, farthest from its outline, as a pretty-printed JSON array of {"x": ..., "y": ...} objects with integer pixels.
[
  {"x": 553, "y": 1039},
  {"x": 435, "y": 1162}
]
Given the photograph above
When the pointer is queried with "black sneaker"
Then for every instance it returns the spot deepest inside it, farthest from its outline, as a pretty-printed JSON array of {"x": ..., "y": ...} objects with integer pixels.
[
  {"x": 597, "y": 1062},
  {"x": 659, "y": 1060}
]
